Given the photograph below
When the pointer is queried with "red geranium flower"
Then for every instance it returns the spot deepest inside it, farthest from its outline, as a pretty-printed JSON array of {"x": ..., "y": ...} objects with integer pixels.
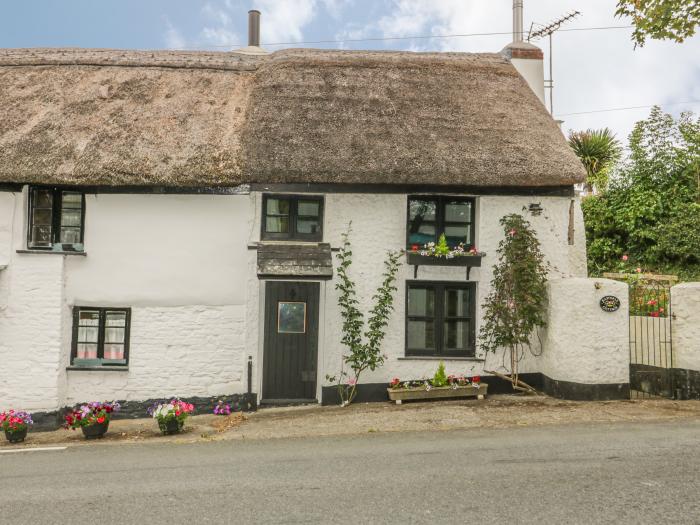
[{"x": 101, "y": 419}]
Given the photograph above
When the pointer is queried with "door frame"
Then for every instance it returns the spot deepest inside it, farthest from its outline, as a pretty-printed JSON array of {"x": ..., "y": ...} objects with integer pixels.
[{"x": 320, "y": 352}]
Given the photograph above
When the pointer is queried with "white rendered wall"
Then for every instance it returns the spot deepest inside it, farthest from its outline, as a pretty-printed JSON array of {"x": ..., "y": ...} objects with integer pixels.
[
  {"x": 31, "y": 317},
  {"x": 180, "y": 263},
  {"x": 685, "y": 307},
  {"x": 583, "y": 343},
  {"x": 378, "y": 223}
]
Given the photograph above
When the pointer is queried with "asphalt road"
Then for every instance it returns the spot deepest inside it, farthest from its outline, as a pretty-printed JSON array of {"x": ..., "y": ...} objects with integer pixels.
[{"x": 623, "y": 473}]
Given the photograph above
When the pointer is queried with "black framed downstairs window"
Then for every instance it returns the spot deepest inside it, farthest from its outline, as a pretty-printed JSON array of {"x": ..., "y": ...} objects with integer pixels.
[
  {"x": 56, "y": 219},
  {"x": 100, "y": 336},
  {"x": 429, "y": 216},
  {"x": 440, "y": 318},
  {"x": 292, "y": 217}
]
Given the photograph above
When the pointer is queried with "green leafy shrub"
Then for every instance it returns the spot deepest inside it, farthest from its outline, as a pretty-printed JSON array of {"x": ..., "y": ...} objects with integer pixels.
[
  {"x": 650, "y": 211},
  {"x": 517, "y": 304},
  {"x": 364, "y": 345},
  {"x": 440, "y": 377}
]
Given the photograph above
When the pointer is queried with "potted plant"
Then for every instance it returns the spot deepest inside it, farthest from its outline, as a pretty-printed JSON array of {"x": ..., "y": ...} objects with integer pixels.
[
  {"x": 440, "y": 386},
  {"x": 222, "y": 409},
  {"x": 171, "y": 416},
  {"x": 15, "y": 425},
  {"x": 442, "y": 254},
  {"x": 92, "y": 418}
]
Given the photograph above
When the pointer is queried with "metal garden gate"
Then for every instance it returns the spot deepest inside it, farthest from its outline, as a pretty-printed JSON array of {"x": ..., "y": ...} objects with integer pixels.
[{"x": 651, "y": 349}]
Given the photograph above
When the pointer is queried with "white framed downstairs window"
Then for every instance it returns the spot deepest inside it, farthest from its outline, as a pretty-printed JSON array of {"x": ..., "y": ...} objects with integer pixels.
[{"x": 100, "y": 336}]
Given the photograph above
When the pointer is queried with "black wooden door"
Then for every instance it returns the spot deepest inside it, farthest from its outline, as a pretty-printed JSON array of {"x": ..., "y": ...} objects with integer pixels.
[{"x": 291, "y": 340}]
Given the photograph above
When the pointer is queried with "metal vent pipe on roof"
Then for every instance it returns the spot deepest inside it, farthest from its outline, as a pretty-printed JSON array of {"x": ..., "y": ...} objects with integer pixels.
[
  {"x": 254, "y": 28},
  {"x": 517, "y": 20}
]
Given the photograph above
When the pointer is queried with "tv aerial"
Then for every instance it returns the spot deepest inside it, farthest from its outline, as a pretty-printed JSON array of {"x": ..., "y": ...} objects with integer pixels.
[{"x": 547, "y": 31}]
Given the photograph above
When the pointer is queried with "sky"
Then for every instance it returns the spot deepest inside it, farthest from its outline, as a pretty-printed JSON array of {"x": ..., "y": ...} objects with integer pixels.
[{"x": 594, "y": 69}]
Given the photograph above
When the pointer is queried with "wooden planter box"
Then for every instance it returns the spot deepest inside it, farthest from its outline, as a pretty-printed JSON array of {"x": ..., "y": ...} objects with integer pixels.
[
  {"x": 416, "y": 259},
  {"x": 442, "y": 392}
]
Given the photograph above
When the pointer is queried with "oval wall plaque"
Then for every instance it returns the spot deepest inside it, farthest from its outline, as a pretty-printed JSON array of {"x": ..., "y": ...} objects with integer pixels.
[{"x": 609, "y": 303}]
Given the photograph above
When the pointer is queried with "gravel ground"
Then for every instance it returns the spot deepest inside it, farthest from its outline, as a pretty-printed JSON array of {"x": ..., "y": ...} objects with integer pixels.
[{"x": 308, "y": 421}]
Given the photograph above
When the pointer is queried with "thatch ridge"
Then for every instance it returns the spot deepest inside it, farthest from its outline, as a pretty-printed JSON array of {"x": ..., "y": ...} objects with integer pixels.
[{"x": 186, "y": 118}]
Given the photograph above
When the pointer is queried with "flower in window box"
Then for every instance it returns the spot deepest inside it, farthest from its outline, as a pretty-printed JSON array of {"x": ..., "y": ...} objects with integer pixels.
[{"x": 443, "y": 250}]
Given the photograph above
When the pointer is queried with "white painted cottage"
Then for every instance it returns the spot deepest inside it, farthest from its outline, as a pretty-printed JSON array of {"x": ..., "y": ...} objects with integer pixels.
[{"x": 168, "y": 217}]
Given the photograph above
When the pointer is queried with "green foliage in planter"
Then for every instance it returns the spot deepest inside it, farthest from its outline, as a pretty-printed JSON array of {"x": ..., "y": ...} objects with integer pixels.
[
  {"x": 517, "y": 304},
  {"x": 364, "y": 344},
  {"x": 440, "y": 377},
  {"x": 651, "y": 209}
]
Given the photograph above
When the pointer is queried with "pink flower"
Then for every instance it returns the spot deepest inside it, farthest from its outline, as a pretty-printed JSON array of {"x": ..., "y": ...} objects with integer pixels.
[
  {"x": 511, "y": 233},
  {"x": 624, "y": 257},
  {"x": 352, "y": 381}
]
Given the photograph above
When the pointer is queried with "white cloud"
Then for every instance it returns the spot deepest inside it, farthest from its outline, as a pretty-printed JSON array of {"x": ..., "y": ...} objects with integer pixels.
[
  {"x": 284, "y": 21},
  {"x": 219, "y": 31},
  {"x": 173, "y": 38}
]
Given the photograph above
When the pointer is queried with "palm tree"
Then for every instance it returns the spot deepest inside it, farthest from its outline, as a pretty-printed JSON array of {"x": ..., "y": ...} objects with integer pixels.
[{"x": 599, "y": 151}]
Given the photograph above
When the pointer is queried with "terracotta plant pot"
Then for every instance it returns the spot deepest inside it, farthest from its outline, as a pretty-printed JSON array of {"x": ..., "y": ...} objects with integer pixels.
[
  {"x": 96, "y": 430},
  {"x": 16, "y": 436},
  {"x": 171, "y": 426}
]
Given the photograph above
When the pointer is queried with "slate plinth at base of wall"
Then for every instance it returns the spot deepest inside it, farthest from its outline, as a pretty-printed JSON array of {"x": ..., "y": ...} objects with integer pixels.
[
  {"x": 686, "y": 383},
  {"x": 369, "y": 392},
  {"x": 45, "y": 421}
]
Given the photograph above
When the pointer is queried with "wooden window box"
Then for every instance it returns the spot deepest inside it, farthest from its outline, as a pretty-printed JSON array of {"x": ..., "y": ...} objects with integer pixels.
[
  {"x": 465, "y": 261},
  {"x": 443, "y": 392}
]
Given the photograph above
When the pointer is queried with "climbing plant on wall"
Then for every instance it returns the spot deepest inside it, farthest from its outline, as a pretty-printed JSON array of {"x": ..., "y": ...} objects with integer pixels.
[
  {"x": 362, "y": 342},
  {"x": 517, "y": 304}
]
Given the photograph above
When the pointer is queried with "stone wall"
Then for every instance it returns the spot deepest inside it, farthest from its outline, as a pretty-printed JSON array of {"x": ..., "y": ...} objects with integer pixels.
[
  {"x": 31, "y": 323},
  {"x": 183, "y": 351},
  {"x": 179, "y": 262}
]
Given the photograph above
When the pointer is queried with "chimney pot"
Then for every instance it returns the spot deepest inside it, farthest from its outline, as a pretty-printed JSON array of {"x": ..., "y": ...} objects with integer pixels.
[
  {"x": 254, "y": 28},
  {"x": 517, "y": 20}
]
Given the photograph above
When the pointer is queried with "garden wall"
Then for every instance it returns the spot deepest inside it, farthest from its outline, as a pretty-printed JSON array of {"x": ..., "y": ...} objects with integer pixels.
[
  {"x": 586, "y": 349},
  {"x": 685, "y": 308}
]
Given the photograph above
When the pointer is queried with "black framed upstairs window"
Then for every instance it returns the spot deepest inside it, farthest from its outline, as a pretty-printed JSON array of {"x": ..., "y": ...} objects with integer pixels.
[
  {"x": 100, "y": 336},
  {"x": 429, "y": 216},
  {"x": 56, "y": 219},
  {"x": 292, "y": 217},
  {"x": 440, "y": 318}
]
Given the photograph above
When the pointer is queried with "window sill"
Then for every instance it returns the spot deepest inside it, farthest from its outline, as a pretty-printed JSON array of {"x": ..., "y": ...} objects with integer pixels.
[
  {"x": 99, "y": 368},
  {"x": 52, "y": 252},
  {"x": 439, "y": 358}
]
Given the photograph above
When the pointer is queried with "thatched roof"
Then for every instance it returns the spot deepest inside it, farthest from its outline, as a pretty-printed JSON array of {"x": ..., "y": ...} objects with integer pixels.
[{"x": 166, "y": 118}]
